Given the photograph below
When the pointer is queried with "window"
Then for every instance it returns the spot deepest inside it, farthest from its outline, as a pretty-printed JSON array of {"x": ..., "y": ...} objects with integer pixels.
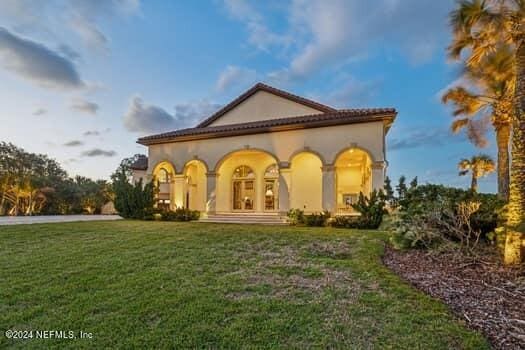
[
  {"x": 163, "y": 176},
  {"x": 243, "y": 172},
  {"x": 271, "y": 171}
]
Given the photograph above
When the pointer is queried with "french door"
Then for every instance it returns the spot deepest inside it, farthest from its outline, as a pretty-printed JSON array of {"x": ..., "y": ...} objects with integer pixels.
[{"x": 243, "y": 195}]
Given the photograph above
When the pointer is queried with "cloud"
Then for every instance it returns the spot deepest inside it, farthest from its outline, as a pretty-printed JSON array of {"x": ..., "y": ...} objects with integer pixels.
[
  {"x": 37, "y": 63},
  {"x": 82, "y": 17},
  {"x": 90, "y": 33},
  {"x": 235, "y": 76},
  {"x": 91, "y": 133},
  {"x": 353, "y": 93},
  {"x": 96, "y": 132},
  {"x": 40, "y": 111},
  {"x": 259, "y": 34},
  {"x": 84, "y": 106},
  {"x": 192, "y": 113},
  {"x": 144, "y": 118},
  {"x": 97, "y": 152},
  {"x": 147, "y": 118},
  {"x": 327, "y": 33},
  {"x": 73, "y": 143},
  {"x": 68, "y": 52},
  {"x": 423, "y": 138}
]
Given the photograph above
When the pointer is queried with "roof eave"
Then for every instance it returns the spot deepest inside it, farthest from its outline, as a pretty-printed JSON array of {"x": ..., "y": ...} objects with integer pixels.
[{"x": 386, "y": 118}]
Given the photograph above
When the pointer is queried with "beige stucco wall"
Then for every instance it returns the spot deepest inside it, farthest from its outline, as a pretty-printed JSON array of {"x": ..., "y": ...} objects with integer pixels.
[
  {"x": 326, "y": 141},
  {"x": 262, "y": 106},
  {"x": 307, "y": 184},
  {"x": 306, "y": 187},
  {"x": 196, "y": 186}
]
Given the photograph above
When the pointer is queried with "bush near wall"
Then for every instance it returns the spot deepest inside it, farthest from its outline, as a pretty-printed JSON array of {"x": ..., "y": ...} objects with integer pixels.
[
  {"x": 317, "y": 219},
  {"x": 430, "y": 215},
  {"x": 180, "y": 214},
  {"x": 372, "y": 210}
]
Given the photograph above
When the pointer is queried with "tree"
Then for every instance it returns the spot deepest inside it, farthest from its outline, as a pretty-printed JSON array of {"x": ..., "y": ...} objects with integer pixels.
[
  {"x": 482, "y": 26},
  {"x": 488, "y": 93},
  {"x": 478, "y": 166},
  {"x": 389, "y": 192},
  {"x": 401, "y": 187},
  {"x": 413, "y": 183},
  {"x": 125, "y": 165},
  {"x": 35, "y": 184},
  {"x": 133, "y": 201}
]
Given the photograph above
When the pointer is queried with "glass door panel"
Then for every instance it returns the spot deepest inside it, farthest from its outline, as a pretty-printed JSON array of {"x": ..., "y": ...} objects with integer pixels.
[
  {"x": 269, "y": 195},
  {"x": 248, "y": 195},
  {"x": 237, "y": 195}
]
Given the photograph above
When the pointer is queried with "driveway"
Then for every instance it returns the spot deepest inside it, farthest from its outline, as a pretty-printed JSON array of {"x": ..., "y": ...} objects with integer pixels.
[{"x": 15, "y": 220}]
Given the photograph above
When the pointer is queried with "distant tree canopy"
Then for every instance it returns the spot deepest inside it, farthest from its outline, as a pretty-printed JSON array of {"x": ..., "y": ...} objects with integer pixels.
[{"x": 36, "y": 184}]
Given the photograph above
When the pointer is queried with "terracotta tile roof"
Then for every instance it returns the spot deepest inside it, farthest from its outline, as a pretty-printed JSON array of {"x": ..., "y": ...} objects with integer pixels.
[
  {"x": 141, "y": 163},
  {"x": 263, "y": 87},
  {"x": 335, "y": 117}
]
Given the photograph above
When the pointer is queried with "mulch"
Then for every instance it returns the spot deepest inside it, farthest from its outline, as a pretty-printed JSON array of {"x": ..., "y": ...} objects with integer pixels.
[{"x": 488, "y": 296}]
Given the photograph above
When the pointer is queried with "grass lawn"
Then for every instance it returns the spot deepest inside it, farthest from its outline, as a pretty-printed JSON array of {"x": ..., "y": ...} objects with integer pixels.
[{"x": 162, "y": 284}]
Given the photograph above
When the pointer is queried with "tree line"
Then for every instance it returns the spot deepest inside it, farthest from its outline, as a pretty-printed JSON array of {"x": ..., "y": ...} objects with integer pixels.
[{"x": 33, "y": 184}]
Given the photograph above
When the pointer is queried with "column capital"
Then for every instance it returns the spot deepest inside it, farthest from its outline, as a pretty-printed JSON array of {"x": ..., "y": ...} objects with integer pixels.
[
  {"x": 284, "y": 165},
  {"x": 328, "y": 167},
  {"x": 212, "y": 174},
  {"x": 379, "y": 165}
]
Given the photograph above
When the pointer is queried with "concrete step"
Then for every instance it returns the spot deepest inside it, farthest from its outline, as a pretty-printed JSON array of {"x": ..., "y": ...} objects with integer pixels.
[{"x": 245, "y": 218}]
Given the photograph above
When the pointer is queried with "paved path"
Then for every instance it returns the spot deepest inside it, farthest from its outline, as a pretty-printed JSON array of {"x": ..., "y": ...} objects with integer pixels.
[{"x": 15, "y": 220}]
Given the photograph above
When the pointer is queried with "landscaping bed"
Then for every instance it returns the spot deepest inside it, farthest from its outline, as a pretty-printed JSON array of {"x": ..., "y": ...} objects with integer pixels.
[{"x": 489, "y": 297}]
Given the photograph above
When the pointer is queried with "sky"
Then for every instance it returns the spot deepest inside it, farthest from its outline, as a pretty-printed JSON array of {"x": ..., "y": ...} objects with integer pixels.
[{"x": 81, "y": 80}]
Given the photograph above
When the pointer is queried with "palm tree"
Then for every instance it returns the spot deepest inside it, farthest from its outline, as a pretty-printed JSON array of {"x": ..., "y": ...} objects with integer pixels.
[
  {"x": 482, "y": 26},
  {"x": 490, "y": 95},
  {"x": 478, "y": 166}
]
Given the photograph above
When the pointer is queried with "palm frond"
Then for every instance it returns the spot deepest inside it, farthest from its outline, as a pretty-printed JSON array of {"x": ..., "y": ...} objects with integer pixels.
[{"x": 458, "y": 125}]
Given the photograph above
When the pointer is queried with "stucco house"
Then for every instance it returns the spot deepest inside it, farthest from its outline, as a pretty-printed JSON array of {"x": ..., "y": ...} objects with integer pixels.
[{"x": 269, "y": 151}]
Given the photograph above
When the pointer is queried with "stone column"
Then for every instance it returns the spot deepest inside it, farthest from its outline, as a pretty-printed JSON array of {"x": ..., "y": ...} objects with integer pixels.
[
  {"x": 179, "y": 186},
  {"x": 211, "y": 184},
  {"x": 284, "y": 193},
  {"x": 378, "y": 175},
  {"x": 329, "y": 188}
]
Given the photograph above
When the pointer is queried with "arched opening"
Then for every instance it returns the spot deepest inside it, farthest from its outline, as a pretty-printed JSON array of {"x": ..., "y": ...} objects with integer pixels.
[
  {"x": 243, "y": 185},
  {"x": 241, "y": 182},
  {"x": 195, "y": 185},
  {"x": 306, "y": 188},
  {"x": 353, "y": 176},
  {"x": 163, "y": 174}
]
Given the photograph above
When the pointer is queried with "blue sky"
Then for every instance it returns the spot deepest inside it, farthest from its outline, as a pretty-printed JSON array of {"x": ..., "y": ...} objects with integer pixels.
[{"x": 82, "y": 79}]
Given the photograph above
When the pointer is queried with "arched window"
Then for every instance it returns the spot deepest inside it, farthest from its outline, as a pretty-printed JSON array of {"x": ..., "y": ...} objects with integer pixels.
[
  {"x": 163, "y": 176},
  {"x": 243, "y": 172},
  {"x": 272, "y": 171}
]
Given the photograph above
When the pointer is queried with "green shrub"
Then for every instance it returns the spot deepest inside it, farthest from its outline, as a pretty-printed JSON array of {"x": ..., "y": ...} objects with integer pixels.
[
  {"x": 317, "y": 219},
  {"x": 180, "y": 214},
  {"x": 345, "y": 221},
  {"x": 133, "y": 201},
  {"x": 421, "y": 200},
  {"x": 371, "y": 209},
  {"x": 431, "y": 215},
  {"x": 296, "y": 217}
]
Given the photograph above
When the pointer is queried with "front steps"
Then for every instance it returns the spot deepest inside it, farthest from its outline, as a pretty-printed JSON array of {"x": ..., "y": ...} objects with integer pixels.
[{"x": 246, "y": 218}]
